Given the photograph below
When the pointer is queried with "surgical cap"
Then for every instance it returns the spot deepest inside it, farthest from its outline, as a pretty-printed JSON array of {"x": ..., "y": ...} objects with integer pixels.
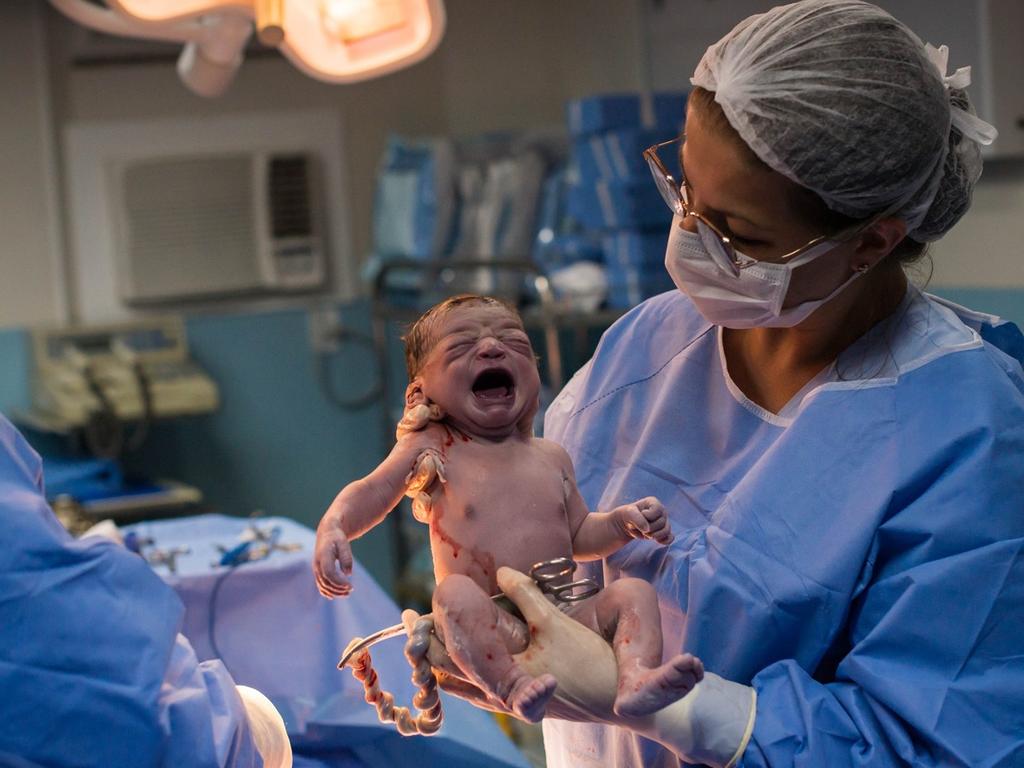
[{"x": 846, "y": 101}]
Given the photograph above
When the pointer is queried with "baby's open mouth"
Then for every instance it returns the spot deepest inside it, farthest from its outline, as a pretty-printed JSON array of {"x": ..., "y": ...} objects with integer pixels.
[{"x": 493, "y": 385}]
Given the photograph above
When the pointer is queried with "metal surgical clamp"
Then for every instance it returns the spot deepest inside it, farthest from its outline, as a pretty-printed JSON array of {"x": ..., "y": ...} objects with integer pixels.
[{"x": 546, "y": 573}]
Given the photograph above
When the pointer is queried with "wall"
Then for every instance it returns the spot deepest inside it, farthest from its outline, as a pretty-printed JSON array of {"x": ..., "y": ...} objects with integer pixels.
[
  {"x": 512, "y": 65},
  {"x": 31, "y": 284},
  {"x": 985, "y": 250},
  {"x": 14, "y": 370}
]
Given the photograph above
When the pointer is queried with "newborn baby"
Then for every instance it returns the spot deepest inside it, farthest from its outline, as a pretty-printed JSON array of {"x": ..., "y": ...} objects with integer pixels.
[{"x": 494, "y": 495}]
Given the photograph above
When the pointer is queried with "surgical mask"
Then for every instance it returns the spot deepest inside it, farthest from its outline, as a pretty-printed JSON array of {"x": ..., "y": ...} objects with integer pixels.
[{"x": 750, "y": 299}]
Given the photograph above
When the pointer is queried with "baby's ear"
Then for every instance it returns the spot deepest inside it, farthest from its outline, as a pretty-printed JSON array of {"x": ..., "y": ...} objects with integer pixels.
[{"x": 414, "y": 394}]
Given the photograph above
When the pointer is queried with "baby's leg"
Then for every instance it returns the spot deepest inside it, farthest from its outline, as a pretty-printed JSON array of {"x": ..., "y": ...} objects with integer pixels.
[
  {"x": 481, "y": 638},
  {"x": 627, "y": 613}
]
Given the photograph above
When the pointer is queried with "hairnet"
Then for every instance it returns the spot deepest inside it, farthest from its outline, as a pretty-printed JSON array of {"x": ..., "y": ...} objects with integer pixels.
[{"x": 846, "y": 101}]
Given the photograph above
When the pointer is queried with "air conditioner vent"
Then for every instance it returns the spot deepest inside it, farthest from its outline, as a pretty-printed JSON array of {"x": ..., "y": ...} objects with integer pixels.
[
  {"x": 290, "y": 196},
  {"x": 172, "y": 211},
  {"x": 188, "y": 226},
  {"x": 215, "y": 225}
]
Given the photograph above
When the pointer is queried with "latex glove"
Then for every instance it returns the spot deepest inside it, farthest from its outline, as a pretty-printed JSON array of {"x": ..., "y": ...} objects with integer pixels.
[
  {"x": 267, "y": 726},
  {"x": 106, "y": 529},
  {"x": 710, "y": 725}
]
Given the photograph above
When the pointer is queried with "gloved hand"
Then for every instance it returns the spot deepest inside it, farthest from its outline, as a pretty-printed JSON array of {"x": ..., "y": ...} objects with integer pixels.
[
  {"x": 710, "y": 725},
  {"x": 268, "y": 731}
]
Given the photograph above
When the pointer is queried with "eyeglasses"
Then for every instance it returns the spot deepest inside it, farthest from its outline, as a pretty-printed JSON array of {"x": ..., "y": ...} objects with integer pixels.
[{"x": 718, "y": 244}]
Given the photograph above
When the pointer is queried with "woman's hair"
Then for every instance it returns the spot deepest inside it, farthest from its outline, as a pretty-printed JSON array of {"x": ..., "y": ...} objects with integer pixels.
[
  {"x": 421, "y": 336},
  {"x": 846, "y": 101}
]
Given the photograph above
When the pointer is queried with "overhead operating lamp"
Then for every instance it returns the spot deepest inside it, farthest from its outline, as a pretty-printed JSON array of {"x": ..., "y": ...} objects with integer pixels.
[{"x": 337, "y": 41}]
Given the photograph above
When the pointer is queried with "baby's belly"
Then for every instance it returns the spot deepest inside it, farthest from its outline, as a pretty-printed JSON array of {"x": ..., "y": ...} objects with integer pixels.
[{"x": 478, "y": 547}]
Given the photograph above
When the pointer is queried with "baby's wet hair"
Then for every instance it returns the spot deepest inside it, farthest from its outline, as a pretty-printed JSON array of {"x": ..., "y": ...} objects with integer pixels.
[{"x": 420, "y": 338}]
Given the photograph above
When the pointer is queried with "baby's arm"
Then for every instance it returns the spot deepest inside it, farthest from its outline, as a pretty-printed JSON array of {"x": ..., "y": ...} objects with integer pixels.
[
  {"x": 598, "y": 534},
  {"x": 360, "y": 506}
]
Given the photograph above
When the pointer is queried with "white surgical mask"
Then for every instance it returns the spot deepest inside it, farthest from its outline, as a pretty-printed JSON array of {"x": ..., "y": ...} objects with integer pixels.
[{"x": 751, "y": 299}]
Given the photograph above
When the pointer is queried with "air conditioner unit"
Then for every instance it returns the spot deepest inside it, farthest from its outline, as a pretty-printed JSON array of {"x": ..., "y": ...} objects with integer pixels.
[
  {"x": 208, "y": 225},
  {"x": 172, "y": 210}
]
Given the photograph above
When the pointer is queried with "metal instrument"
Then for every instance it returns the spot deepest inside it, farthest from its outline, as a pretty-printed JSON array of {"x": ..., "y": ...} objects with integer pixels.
[
  {"x": 547, "y": 574},
  {"x": 168, "y": 557},
  {"x": 257, "y": 543}
]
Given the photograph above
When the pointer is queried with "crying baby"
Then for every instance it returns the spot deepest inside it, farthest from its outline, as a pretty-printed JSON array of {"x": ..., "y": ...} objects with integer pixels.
[{"x": 494, "y": 495}]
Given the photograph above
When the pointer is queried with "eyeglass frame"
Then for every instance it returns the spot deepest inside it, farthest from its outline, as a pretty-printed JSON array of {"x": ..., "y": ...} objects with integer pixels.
[{"x": 684, "y": 209}]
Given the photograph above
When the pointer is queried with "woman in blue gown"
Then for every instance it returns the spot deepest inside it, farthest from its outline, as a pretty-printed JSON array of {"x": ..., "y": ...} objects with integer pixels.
[
  {"x": 93, "y": 668},
  {"x": 841, "y": 454}
]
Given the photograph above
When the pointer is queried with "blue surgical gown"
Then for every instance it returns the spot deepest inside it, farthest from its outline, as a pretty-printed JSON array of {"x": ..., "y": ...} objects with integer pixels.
[
  {"x": 856, "y": 558},
  {"x": 93, "y": 670}
]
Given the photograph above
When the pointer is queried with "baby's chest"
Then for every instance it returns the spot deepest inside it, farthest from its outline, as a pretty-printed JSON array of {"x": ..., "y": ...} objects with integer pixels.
[{"x": 490, "y": 485}]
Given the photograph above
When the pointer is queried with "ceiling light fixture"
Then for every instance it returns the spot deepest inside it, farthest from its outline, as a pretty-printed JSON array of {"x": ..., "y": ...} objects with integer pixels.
[{"x": 337, "y": 41}]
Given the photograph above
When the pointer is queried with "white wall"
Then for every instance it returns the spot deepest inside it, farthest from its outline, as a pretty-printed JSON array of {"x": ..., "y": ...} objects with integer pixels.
[{"x": 30, "y": 270}]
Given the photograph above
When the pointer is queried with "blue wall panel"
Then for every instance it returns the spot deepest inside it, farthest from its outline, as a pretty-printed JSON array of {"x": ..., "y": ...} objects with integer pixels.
[
  {"x": 14, "y": 370},
  {"x": 1006, "y": 302}
]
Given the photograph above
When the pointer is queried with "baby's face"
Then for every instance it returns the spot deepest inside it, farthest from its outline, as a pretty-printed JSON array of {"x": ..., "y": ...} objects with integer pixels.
[{"x": 482, "y": 371}]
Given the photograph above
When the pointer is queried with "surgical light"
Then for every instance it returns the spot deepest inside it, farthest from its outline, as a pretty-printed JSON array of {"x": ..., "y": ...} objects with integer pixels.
[
  {"x": 337, "y": 41},
  {"x": 351, "y": 20}
]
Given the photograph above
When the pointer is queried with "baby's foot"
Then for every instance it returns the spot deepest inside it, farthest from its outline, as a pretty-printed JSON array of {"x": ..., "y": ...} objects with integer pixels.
[
  {"x": 647, "y": 690},
  {"x": 530, "y": 695}
]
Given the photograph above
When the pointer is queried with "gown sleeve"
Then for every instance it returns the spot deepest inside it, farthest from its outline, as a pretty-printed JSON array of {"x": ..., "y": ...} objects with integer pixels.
[
  {"x": 92, "y": 666},
  {"x": 930, "y": 664}
]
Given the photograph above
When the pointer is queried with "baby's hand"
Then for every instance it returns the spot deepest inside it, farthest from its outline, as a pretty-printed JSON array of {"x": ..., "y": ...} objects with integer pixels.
[
  {"x": 645, "y": 519},
  {"x": 332, "y": 557}
]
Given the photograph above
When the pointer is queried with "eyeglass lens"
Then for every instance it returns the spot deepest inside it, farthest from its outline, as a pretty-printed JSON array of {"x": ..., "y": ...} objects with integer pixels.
[
  {"x": 669, "y": 180},
  {"x": 721, "y": 253}
]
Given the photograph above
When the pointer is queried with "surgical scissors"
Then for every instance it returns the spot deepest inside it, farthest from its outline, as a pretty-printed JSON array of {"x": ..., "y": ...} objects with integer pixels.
[{"x": 546, "y": 573}]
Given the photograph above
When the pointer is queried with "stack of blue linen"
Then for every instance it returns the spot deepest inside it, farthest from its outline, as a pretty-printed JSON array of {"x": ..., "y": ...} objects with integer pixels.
[{"x": 611, "y": 194}]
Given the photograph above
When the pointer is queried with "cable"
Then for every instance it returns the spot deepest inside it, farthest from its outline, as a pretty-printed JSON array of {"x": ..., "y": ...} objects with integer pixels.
[
  {"x": 104, "y": 430},
  {"x": 356, "y": 403},
  {"x": 212, "y": 616},
  {"x": 141, "y": 431}
]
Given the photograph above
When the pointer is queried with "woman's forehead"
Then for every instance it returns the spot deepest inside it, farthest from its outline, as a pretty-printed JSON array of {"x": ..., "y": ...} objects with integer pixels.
[{"x": 725, "y": 178}]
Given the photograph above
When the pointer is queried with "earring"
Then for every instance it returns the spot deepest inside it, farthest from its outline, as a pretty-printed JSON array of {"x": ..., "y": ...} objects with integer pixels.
[{"x": 862, "y": 268}]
